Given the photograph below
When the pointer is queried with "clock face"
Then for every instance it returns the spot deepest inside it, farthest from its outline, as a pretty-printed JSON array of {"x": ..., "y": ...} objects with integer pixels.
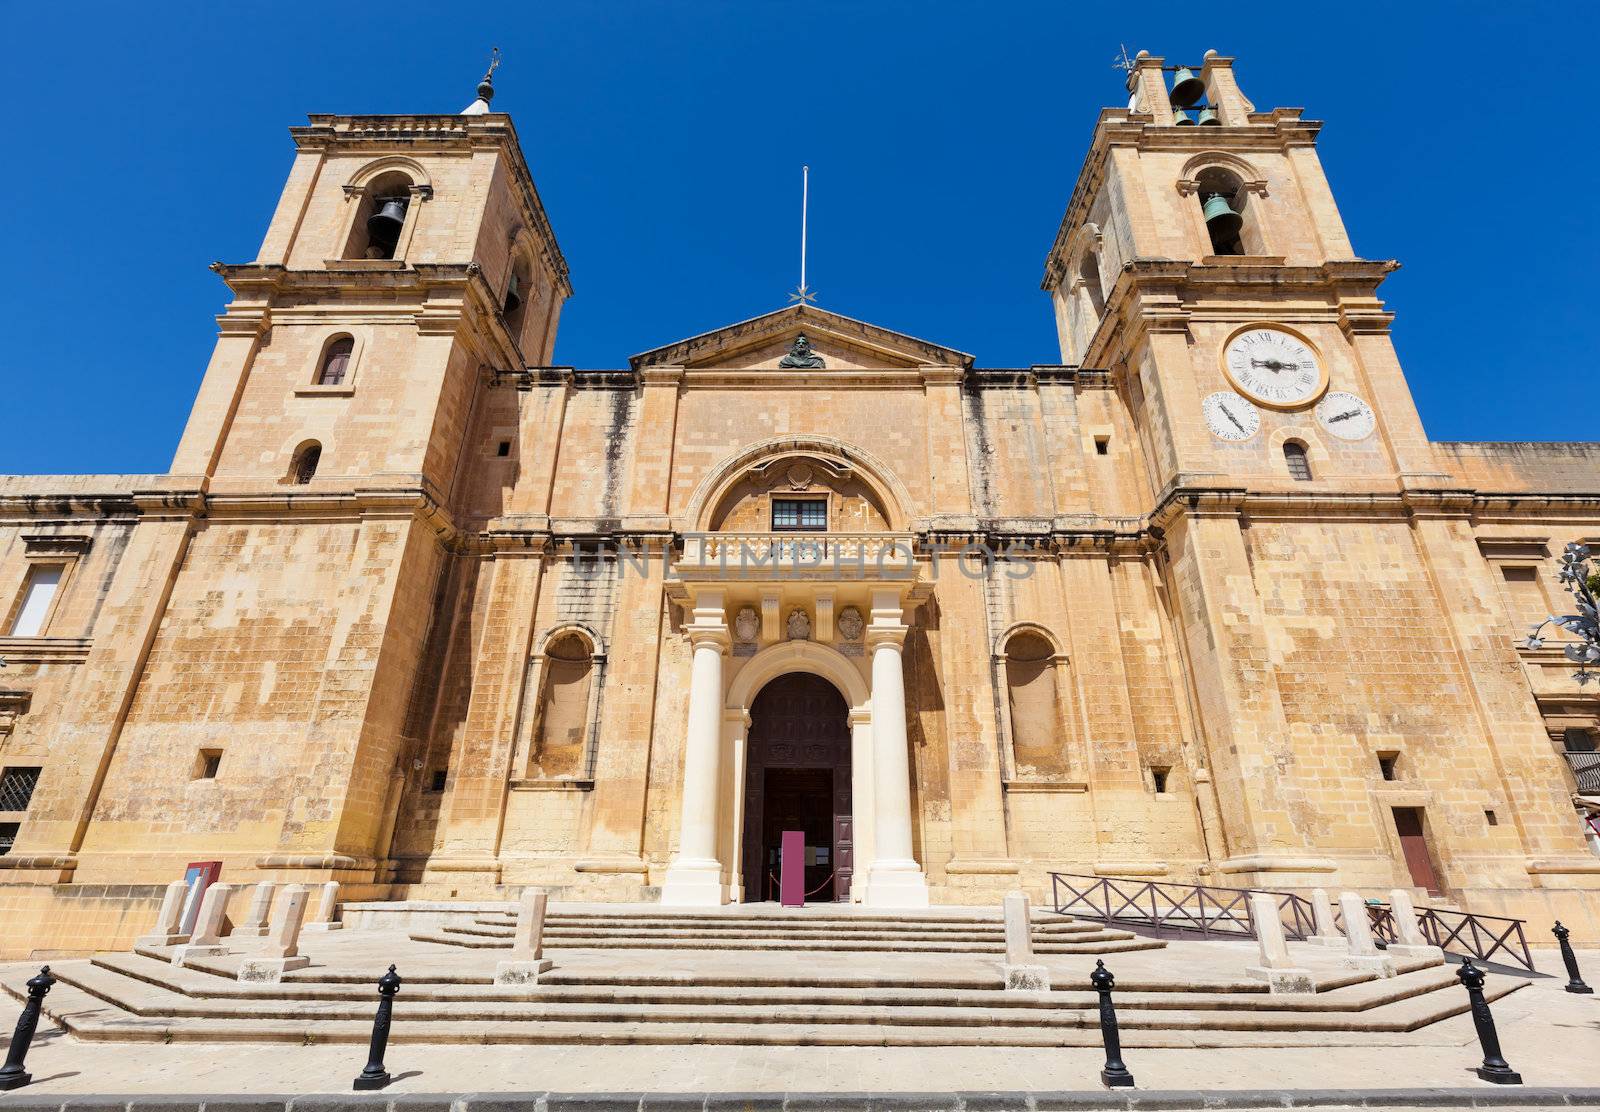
[
  {"x": 1273, "y": 368},
  {"x": 1346, "y": 416},
  {"x": 1230, "y": 417}
]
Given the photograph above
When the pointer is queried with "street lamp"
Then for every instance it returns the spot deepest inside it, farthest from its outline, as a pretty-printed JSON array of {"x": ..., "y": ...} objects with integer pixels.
[{"x": 1581, "y": 581}]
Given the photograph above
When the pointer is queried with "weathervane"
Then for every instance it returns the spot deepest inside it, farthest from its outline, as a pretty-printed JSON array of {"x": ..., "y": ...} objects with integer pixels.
[
  {"x": 803, "y": 295},
  {"x": 1124, "y": 63}
]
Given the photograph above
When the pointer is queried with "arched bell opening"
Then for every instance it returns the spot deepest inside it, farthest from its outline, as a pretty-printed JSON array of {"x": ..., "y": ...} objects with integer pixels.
[
  {"x": 797, "y": 776},
  {"x": 1225, "y": 205},
  {"x": 375, "y": 232}
]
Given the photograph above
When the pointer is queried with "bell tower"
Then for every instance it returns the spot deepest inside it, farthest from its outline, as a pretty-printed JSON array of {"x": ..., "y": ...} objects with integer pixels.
[
  {"x": 1203, "y": 259},
  {"x": 1291, "y": 492}
]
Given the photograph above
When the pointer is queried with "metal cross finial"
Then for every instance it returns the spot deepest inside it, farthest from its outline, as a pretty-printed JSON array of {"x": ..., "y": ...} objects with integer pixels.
[
  {"x": 803, "y": 295},
  {"x": 494, "y": 63},
  {"x": 1123, "y": 63},
  {"x": 486, "y": 86}
]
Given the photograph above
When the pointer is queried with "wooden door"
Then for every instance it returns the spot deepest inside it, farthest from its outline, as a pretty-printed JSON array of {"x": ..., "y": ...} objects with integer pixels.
[{"x": 1414, "y": 845}]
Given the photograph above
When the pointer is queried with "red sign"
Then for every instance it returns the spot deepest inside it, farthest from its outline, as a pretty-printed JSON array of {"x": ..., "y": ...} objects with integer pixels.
[{"x": 792, "y": 869}]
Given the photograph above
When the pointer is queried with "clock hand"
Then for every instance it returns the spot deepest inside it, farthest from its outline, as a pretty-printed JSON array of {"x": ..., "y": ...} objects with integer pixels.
[
  {"x": 1345, "y": 416},
  {"x": 1231, "y": 417}
]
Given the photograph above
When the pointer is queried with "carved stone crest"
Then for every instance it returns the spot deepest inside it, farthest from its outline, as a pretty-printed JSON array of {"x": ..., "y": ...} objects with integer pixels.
[
  {"x": 799, "y": 476},
  {"x": 799, "y": 625},
  {"x": 849, "y": 624},
  {"x": 747, "y": 624},
  {"x": 801, "y": 355}
]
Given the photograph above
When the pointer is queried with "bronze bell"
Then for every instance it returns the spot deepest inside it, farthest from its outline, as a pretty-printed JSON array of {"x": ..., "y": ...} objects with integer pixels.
[
  {"x": 1208, "y": 117},
  {"x": 513, "y": 296},
  {"x": 1220, "y": 217},
  {"x": 1180, "y": 118},
  {"x": 383, "y": 226},
  {"x": 1187, "y": 89}
]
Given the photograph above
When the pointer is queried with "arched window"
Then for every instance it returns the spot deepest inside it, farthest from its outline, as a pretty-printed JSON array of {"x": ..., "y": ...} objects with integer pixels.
[
  {"x": 380, "y": 217},
  {"x": 561, "y": 719},
  {"x": 1223, "y": 203},
  {"x": 1089, "y": 271},
  {"x": 1037, "y": 743},
  {"x": 304, "y": 467},
  {"x": 336, "y": 362},
  {"x": 516, "y": 300},
  {"x": 1294, "y": 455}
]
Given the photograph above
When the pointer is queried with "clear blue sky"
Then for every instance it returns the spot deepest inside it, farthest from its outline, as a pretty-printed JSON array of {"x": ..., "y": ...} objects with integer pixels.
[{"x": 667, "y": 138}]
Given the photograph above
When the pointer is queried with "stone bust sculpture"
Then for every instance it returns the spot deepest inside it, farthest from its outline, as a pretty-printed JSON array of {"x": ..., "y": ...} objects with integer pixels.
[{"x": 801, "y": 355}]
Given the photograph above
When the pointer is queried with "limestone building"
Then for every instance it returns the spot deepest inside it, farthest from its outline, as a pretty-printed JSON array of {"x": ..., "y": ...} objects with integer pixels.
[{"x": 421, "y": 612}]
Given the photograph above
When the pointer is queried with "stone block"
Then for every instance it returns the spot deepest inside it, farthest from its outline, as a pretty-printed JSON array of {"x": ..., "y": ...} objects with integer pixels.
[
  {"x": 1026, "y": 978},
  {"x": 269, "y": 971},
  {"x": 521, "y": 972}
]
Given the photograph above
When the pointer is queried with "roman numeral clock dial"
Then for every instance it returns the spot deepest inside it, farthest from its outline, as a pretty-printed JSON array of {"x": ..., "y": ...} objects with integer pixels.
[
  {"x": 1230, "y": 417},
  {"x": 1274, "y": 368}
]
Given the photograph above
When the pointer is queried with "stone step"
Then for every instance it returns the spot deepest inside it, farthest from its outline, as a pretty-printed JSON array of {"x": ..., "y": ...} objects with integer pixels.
[
  {"x": 781, "y": 923},
  {"x": 1106, "y": 942},
  {"x": 89, "y": 1016}
]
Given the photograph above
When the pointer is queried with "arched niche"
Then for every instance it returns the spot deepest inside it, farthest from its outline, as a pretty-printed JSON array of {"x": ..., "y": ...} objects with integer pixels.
[{"x": 869, "y": 495}]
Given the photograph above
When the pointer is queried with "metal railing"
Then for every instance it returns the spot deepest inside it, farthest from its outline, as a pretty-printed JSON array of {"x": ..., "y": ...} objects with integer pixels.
[
  {"x": 1212, "y": 912},
  {"x": 1462, "y": 933},
  {"x": 1586, "y": 768},
  {"x": 1163, "y": 906}
]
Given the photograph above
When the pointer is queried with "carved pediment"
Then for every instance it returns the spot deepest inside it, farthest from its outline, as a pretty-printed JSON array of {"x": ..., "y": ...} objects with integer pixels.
[{"x": 802, "y": 339}]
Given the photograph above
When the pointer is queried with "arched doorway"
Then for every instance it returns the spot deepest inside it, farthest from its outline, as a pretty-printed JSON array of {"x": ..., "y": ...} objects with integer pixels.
[{"x": 797, "y": 777}]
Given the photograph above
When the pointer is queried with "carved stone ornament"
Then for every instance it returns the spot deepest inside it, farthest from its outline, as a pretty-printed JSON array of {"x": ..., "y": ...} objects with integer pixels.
[
  {"x": 849, "y": 624},
  {"x": 747, "y": 624},
  {"x": 799, "y": 625},
  {"x": 799, "y": 476},
  {"x": 800, "y": 355}
]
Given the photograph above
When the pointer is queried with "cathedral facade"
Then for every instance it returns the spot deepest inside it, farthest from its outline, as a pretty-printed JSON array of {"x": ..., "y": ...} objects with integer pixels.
[{"x": 421, "y": 612}]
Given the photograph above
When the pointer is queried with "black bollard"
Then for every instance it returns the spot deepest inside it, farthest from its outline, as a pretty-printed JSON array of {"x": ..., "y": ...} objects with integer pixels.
[
  {"x": 1570, "y": 960},
  {"x": 1115, "y": 1075},
  {"x": 12, "y": 1075},
  {"x": 374, "y": 1076},
  {"x": 1495, "y": 1068}
]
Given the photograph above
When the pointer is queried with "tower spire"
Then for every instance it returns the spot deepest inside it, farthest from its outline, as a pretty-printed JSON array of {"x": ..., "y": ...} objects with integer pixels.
[{"x": 485, "y": 88}]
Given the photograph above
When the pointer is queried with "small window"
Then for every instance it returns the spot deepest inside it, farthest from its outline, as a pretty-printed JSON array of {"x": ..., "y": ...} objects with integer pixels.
[
  {"x": 440, "y": 775},
  {"x": 1520, "y": 575},
  {"x": 8, "y": 836},
  {"x": 1388, "y": 764},
  {"x": 304, "y": 468},
  {"x": 1158, "y": 776},
  {"x": 38, "y": 592},
  {"x": 503, "y": 449},
  {"x": 16, "y": 788},
  {"x": 207, "y": 764},
  {"x": 1491, "y": 818},
  {"x": 799, "y": 514},
  {"x": 1294, "y": 454},
  {"x": 336, "y": 362},
  {"x": 1102, "y": 445}
]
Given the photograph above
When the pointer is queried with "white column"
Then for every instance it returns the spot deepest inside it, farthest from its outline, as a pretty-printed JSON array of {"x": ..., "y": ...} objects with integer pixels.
[
  {"x": 895, "y": 878},
  {"x": 861, "y": 797},
  {"x": 694, "y": 879}
]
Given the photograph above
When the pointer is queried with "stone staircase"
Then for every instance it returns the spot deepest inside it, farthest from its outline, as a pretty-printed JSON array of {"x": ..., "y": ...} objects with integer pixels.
[
  {"x": 631, "y": 927},
  {"x": 878, "y": 1000}
]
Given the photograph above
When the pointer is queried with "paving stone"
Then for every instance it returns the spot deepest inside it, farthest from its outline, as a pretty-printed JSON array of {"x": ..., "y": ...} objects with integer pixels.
[{"x": 593, "y": 1102}]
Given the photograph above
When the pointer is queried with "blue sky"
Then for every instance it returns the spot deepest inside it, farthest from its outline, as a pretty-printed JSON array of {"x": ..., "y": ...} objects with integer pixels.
[{"x": 667, "y": 139}]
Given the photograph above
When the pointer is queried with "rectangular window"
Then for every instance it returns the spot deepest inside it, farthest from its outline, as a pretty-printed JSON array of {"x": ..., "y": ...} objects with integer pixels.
[
  {"x": 207, "y": 764},
  {"x": 1158, "y": 776},
  {"x": 1387, "y": 765},
  {"x": 799, "y": 515},
  {"x": 440, "y": 775},
  {"x": 8, "y": 836},
  {"x": 16, "y": 788},
  {"x": 37, "y": 594}
]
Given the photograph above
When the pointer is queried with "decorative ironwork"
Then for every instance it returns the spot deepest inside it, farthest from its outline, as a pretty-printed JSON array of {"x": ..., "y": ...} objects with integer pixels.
[
  {"x": 1582, "y": 582},
  {"x": 1460, "y": 932},
  {"x": 1115, "y": 1075},
  {"x": 800, "y": 355},
  {"x": 16, "y": 788},
  {"x": 1586, "y": 769}
]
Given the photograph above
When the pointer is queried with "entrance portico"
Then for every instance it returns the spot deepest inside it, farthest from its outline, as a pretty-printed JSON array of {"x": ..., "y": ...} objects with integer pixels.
[{"x": 708, "y": 868}]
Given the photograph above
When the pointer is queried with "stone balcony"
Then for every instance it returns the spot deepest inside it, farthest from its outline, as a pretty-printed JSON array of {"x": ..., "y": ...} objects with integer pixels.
[{"x": 801, "y": 556}]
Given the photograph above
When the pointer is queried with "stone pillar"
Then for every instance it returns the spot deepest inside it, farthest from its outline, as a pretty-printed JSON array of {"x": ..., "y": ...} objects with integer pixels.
[
  {"x": 1022, "y": 972},
  {"x": 255, "y": 920},
  {"x": 527, "y": 958},
  {"x": 280, "y": 952},
  {"x": 165, "y": 932},
  {"x": 1277, "y": 968},
  {"x": 1410, "y": 943},
  {"x": 694, "y": 879},
  {"x": 895, "y": 880},
  {"x": 1358, "y": 933},
  {"x": 207, "y": 938},
  {"x": 1322, "y": 911},
  {"x": 329, "y": 905}
]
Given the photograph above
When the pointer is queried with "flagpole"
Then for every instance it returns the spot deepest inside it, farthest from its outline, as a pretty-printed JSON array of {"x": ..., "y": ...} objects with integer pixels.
[{"x": 805, "y": 201}]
